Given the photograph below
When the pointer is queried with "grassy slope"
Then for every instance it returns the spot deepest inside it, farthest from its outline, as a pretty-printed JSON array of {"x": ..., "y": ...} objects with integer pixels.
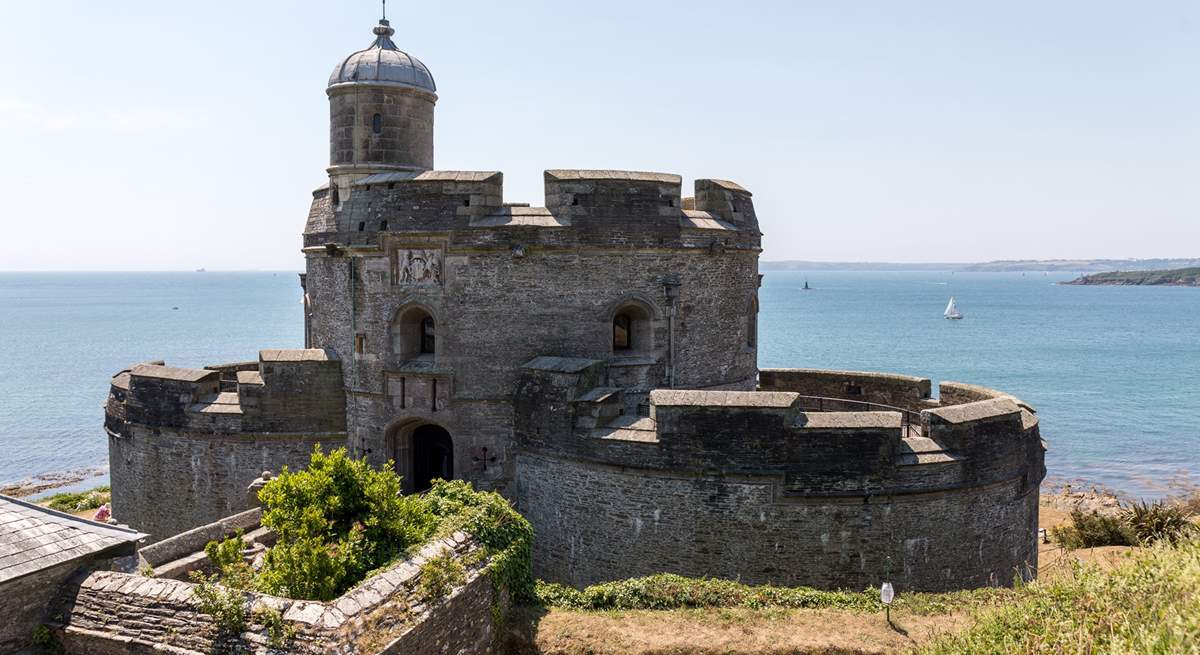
[{"x": 1179, "y": 277}]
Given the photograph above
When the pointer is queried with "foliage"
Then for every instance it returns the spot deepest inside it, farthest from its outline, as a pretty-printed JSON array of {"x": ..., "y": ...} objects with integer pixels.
[
  {"x": 227, "y": 606},
  {"x": 339, "y": 521},
  {"x": 336, "y": 520},
  {"x": 1151, "y": 522},
  {"x": 1150, "y": 604},
  {"x": 79, "y": 502},
  {"x": 1092, "y": 530},
  {"x": 667, "y": 591},
  {"x": 439, "y": 576},
  {"x": 279, "y": 633},
  {"x": 507, "y": 537},
  {"x": 45, "y": 641}
]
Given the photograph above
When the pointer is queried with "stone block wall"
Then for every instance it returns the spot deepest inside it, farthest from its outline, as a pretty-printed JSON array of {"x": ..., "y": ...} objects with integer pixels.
[
  {"x": 115, "y": 613},
  {"x": 25, "y": 604},
  {"x": 748, "y": 485},
  {"x": 904, "y": 391},
  {"x": 181, "y": 451},
  {"x": 515, "y": 283}
]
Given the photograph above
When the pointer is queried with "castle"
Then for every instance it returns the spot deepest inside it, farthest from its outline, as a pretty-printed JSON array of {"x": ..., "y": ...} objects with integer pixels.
[{"x": 594, "y": 360}]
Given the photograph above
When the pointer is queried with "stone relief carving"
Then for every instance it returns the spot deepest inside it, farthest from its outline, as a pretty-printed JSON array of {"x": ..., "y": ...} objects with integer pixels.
[{"x": 417, "y": 267}]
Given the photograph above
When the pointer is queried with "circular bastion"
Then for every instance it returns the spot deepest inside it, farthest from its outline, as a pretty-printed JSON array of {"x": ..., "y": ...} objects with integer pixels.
[{"x": 830, "y": 479}]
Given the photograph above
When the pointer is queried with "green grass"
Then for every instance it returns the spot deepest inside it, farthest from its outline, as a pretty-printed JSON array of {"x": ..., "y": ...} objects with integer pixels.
[
  {"x": 78, "y": 501},
  {"x": 1149, "y": 605},
  {"x": 670, "y": 592}
]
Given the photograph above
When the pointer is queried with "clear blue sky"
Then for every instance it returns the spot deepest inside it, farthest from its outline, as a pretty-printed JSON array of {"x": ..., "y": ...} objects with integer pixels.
[{"x": 142, "y": 135}]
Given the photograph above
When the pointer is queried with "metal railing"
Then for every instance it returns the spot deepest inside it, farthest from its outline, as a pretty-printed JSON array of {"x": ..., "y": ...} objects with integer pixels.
[{"x": 908, "y": 418}]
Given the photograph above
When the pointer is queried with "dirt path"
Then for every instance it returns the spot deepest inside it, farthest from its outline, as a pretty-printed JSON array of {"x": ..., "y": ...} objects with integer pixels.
[{"x": 731, "y": 631}]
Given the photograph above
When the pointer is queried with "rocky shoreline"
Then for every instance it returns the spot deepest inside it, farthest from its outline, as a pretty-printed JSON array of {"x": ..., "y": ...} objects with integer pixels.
[
  {"x": 50, "y": 481},
  {"x": 1179, "y": 277}
]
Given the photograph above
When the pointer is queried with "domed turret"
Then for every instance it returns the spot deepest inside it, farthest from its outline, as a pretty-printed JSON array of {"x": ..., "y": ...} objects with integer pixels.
[
  {"x": 381, "y": 103},
  {"x": 383, "y": 63}
]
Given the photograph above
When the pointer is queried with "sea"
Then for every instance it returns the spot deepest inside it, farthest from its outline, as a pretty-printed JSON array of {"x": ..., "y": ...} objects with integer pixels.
[{"x": 1114, "y": 372}]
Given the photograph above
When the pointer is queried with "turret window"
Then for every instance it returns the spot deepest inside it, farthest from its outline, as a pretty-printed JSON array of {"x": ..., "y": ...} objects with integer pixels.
[
  {"x": 622, "y": 332},
  {"x": 377, "y": 123},
  {"x": 428, "y": 338}
]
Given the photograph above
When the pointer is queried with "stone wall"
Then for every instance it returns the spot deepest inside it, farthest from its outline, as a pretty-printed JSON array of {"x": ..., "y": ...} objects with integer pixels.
[
  {"x": 903, "y": 391},
  {"x": 406, "y": 138},
  {"x": 25, "y": 604},
  {"x": 752, "y": 487},
  {"x": 106, "y": 613},
  {"x": 182, "y": 452},
  {"x": 507, "y": 284}
]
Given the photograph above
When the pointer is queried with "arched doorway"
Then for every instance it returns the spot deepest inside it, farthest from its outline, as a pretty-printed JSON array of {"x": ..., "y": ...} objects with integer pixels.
[{"x": 432, "y": 456}]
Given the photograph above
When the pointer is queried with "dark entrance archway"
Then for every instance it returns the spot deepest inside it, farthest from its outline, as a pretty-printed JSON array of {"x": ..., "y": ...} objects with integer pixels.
[{"x": 432, "y": 456}]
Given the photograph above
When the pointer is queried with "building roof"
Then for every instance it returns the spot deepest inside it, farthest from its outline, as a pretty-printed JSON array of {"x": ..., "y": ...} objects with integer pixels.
[
  {"x": 34, "y": 538},
  {"x": 383, "y": 63}
]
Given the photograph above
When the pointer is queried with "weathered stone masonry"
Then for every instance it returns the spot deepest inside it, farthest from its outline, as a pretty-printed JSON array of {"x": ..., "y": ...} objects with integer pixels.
[{"x": 543, "y": 352}]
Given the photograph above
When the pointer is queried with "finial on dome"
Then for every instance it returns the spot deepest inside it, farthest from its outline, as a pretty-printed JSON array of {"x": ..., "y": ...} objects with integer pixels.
[{"x": 384, "y": 28}]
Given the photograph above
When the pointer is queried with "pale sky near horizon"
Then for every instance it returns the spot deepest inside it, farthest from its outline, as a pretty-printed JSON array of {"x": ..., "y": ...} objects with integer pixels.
[{"x": 143, "y": 135}]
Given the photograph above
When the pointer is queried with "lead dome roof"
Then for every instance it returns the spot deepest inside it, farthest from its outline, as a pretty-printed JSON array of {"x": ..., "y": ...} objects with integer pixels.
[{"x": 383, "y": 63}]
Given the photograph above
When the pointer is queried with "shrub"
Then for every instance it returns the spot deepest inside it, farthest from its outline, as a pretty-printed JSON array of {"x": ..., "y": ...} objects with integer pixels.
[
  {"x": 507, "y": 537},
  {"x": 79, "y": 502},
  {"x": 667, "y": 591},
  {"x": 227, "y": 606},
  {"x": 1092, "y": 530},
  {"x": 279, "y": 633},
  {"x": 439, "y": 576},
  {"x": 1151, "y": 522},
  {"x": 45, "y": 642},
  {"x": 336, "y": 520}
]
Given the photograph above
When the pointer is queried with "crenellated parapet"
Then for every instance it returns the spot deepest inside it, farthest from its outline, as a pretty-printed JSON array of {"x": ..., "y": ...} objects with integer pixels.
[
  {"x": 866, "y": 459},
  {"x": 184, "y": 443},
  {"x": 582, "y": 207},
  {"x": 286, "y": 391}
]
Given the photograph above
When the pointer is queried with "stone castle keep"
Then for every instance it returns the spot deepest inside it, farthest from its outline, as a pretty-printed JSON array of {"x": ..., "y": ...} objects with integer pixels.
[{"x": 594, "y": 360}]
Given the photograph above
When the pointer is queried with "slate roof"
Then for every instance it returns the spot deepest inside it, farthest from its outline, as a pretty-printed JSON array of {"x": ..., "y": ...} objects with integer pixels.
[{"x": 33, "y": 538}]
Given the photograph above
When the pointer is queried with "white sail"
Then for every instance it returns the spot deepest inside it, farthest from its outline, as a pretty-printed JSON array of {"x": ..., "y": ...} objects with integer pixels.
[{"x": 952, "y": 309}]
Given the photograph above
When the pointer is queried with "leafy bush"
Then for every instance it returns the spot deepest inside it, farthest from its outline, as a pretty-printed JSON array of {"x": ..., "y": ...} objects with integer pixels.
[
  {"x": 279, "y": 632},
  {"x": 1150, "y": 604},
  {"x": 79, "y": 502},
  {"x": 45, "y": 642},
  {"x": 667, "y": 591},
  {"x": 440, "y": 575},
  {"x": 1157, "y": 521},
  {"x": 507, "y": 537},
  {"x": 227, "y": 606},
  {"x": 336, "y": 520},
  {"x": 1092, "y": 530}
]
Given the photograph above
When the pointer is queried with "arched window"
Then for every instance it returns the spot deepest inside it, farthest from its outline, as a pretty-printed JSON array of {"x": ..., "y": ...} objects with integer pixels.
[
  {"x": 377, "y": 123},
  {"x": 622, "y": 332},
  {"x": 427, "y": 336},
  {"x": 413, "y": 333},
  {"x": 632, "y": 329}
]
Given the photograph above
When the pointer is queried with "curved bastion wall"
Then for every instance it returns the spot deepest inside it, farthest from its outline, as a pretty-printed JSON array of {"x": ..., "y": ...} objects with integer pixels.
[
  {"x": 184, "y": 444},
  {"x": 932, "y": 495}
]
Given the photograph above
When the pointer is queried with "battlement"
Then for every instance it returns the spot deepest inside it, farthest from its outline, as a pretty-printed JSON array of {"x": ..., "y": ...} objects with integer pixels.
[
  {"x": 357, "y": 210},
  {"x": 819, "y": 432},
  {"x": 286, "y": 391}
]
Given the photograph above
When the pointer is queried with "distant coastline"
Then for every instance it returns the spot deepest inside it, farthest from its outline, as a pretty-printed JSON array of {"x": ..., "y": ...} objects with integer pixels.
[
  {"x": 1179, "y": 277},
  {"x": 1000, "y": 266}
]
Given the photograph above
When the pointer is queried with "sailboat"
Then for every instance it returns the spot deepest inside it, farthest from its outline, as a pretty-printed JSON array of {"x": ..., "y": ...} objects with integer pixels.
[{"x": 952, "y": 310}]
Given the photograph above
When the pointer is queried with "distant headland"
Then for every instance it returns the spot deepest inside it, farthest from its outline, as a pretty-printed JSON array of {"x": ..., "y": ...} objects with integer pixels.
[
  {"x": 1178, "y": 277},
  {"x": 999, "y": 266}
]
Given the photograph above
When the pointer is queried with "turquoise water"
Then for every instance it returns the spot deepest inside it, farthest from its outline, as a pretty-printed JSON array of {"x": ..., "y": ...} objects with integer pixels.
[{"x": 1113, "y": 371}]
